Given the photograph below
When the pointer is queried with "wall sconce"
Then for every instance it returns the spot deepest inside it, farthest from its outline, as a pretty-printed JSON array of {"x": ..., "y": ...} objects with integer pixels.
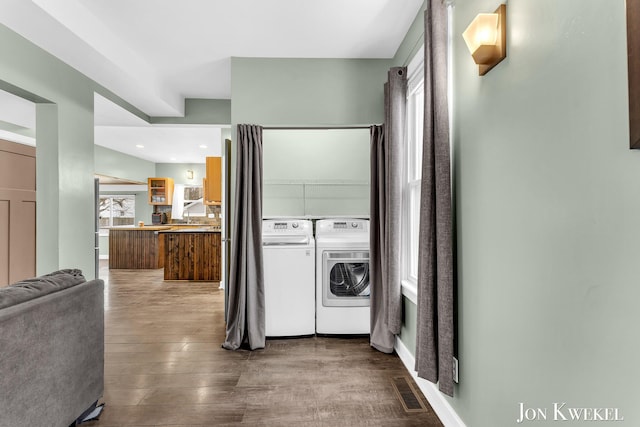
[
  {"x": 189, "y": 174},
  {"x": 486, "y": 38}
]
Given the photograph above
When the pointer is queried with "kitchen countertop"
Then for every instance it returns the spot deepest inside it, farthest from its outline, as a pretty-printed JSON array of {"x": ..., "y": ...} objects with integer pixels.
[
  {"x": 175, "y": 228},
  {"x": 194, "y": 230},
  {"x": 145, "y": 228},
  {"x": 179, "y": 224}
]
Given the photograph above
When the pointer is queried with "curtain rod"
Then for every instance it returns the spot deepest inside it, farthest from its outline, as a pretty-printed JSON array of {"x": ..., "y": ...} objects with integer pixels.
[{"x": 313, "y": 127}]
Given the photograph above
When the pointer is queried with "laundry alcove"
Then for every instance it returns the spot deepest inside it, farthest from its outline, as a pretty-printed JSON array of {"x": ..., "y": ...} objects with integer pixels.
[{"x": 316, "y": 172}]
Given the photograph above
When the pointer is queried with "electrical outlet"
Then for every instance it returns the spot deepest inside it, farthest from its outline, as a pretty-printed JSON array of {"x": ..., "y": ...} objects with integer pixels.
[{"x": 455, "y": 370}]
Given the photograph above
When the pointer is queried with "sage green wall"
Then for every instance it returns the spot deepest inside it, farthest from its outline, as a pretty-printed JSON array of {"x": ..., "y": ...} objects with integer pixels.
[
  {"x": 119, "y": 165},
  {"x": 47, "y": 228},
  {"x": 547, "y": 196},
  {"x": 545, "y": 193},
  {"x": 413, "y": 41},
  {"x": 178, "y": 171},
  {"x": 143, "y": 208},
  {"x": 103, "y": 244},
  {"x": 409, "y": 322},
  {"x": 65, "y": 127},
  {"x": 302, "y": 92},
  {"x": 306, "y": 92}
]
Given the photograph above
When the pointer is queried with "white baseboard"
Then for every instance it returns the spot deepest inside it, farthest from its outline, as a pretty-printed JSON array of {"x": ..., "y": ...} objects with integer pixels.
[
  {"x": 103, "y": 257},
  {"x": 436, "y": 399}
]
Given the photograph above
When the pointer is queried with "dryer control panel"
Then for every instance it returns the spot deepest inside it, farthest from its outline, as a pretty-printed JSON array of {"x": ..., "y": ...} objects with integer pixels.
[
  {"x": 342, "y": 226},
  {"x": 348, "y": 225}
]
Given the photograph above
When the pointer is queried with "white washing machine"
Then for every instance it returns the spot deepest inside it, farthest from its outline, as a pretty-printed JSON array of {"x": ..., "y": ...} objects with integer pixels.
[
  {"x": 288, "y": 249},
  {"x": 342, "y": 276}
]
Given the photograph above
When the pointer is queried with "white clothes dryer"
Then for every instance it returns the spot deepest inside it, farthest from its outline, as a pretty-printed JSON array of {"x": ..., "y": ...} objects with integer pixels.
[
  {"x": 288, "y": 249},
  {"x": 342, "y": 276}
]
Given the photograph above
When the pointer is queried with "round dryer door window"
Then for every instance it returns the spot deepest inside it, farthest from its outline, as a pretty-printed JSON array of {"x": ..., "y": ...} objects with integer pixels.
[{"x": 345, "y": 279}]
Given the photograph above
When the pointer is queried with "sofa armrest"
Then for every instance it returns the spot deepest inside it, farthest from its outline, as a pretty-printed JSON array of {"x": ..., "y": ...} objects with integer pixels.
[{"x": 52, "y": 356}]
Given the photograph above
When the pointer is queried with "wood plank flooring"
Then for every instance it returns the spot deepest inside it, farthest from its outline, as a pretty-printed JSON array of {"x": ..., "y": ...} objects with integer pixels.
[{"x": 164, "y": 365}]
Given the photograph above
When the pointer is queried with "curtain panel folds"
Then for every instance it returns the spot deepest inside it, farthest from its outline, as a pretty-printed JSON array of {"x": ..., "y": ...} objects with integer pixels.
[
  {"x": 245, "y": 318},
  {"x": 385, "y": 264},
  {"x": 435, "y": 326}
]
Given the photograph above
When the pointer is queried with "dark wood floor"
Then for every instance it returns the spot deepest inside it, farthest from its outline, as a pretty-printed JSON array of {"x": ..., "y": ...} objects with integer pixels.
[{"x": 164, "y": 365}]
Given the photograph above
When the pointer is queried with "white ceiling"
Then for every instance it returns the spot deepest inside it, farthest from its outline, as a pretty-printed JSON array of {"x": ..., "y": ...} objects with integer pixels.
[
  {"x": 162, "y": 144},
  {"x": 156, "y": 53},
  {"x": 119, "y": 130}
]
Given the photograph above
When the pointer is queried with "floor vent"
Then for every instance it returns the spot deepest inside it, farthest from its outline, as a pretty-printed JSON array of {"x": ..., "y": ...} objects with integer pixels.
[{"x": 409, "y": 397}]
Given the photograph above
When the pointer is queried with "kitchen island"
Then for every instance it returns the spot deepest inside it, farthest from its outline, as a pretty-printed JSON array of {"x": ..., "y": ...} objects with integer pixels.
[
  {"x": 192, "y": 254},
  {"x": 136, "y": 247}
]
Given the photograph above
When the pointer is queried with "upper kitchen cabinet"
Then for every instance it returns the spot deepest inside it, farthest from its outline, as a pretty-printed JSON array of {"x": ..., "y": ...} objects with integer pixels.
[
  {"x": 160, "y": 191},
  {"x": 213, "y": 181}
]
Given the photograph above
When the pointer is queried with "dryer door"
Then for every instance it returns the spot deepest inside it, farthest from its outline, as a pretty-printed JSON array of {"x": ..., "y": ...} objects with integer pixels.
[{"x": 345, "y": 278}]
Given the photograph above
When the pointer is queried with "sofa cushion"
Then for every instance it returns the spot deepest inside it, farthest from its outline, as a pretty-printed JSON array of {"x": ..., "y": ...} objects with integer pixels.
[{"x": 29, "y": 289}]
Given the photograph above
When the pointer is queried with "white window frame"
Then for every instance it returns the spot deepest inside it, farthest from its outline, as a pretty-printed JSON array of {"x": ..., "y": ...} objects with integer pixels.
[
  {"x": 117, "y": 196},
  {"x": 415, "y": 82}
]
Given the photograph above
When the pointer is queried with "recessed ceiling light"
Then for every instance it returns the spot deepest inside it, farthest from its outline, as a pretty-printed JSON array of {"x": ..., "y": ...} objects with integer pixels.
[
  {"x": 203, "y": 146},
  {"x": 139, "y": 146},
  {"x": 173, "y": 158}
]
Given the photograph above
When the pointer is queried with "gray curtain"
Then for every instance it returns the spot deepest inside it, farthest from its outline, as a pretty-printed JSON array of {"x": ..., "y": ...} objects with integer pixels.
[
  {"x": 435, "y": 329},
  {"x": 387, "y": 147},
  {"x": 245, "y": 317}
]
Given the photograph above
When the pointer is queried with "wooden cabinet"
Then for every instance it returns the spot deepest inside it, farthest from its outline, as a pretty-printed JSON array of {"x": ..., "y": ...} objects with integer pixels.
[
  {"x": 192, "y": 256},
  {"x": 160, "y": 191},
  {"x": 136, "y": 248},
  {"x": 213, "y": 182}
]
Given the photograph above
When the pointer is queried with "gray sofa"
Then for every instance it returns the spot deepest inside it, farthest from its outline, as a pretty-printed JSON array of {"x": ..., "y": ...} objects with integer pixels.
[{"x": 51, "y": 349}]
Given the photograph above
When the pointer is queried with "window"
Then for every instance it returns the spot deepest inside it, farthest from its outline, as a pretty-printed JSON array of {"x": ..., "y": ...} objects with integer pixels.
[
  {"x": 117, "y": 211},
  {"x": 413, "y": 162},
  {"x": 413, "y": 171},
  {"x": 193, "y": 201}
]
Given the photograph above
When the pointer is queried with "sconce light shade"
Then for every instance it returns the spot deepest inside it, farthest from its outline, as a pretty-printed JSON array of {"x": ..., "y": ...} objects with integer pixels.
[
  {"x": 189, "y": 174},
  {"x": 486, "y": 39}
]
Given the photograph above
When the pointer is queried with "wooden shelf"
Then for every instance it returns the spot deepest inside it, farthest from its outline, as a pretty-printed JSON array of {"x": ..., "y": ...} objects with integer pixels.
[{"x": 160, "y": 191}]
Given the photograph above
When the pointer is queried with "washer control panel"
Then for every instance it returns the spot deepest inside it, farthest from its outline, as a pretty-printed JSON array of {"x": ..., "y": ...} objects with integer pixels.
[
  {"x": 287, "y": 226},
  {"x": 284, "y": 225}
]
